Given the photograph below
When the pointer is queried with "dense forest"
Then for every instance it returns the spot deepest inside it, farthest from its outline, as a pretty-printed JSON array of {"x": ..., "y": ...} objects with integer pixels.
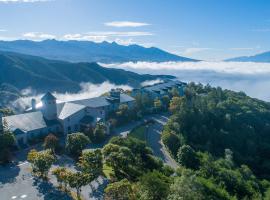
[{"x": 223, "y": 138}]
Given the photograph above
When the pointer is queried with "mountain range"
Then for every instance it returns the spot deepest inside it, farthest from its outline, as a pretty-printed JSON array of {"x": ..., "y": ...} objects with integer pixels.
[
  {"x": 87, "y": 51},
  {"x": 261, "y": 58},
  {"x": 21, "y": 71}
]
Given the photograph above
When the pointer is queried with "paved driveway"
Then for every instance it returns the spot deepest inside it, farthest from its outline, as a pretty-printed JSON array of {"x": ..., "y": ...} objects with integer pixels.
[
  {"x": 17, "y": 183},
  {"x": 153, "y": 137}
]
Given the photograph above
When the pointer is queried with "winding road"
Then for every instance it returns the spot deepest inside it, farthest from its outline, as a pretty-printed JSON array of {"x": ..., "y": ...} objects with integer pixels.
[{"x": 153, "y": 139}]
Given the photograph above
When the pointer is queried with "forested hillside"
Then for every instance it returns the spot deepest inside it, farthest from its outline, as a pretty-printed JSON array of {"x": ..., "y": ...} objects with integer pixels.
[
  {"x": 224, "y": 137},
  {"x": 22, "y": 71}
]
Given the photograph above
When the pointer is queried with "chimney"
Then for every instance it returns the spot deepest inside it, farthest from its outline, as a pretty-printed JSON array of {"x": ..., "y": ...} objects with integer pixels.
[
  {"x": 114, "y": 93},
  {"x": 34, "y": 104}
]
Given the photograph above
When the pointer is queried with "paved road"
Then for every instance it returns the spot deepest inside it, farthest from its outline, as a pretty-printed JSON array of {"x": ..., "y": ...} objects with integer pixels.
[
  {"x": 153, "y": 138},
  {"x": 17, "y": 183}
]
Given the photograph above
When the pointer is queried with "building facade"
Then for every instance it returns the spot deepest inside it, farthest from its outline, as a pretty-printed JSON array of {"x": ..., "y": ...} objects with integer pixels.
[
  {"x": 65, "y": 117},
  {"x": 157, "y": 91}
]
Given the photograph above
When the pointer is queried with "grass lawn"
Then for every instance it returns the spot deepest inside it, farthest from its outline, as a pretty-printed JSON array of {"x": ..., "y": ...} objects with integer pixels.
[{"x": 138, "y": 133}]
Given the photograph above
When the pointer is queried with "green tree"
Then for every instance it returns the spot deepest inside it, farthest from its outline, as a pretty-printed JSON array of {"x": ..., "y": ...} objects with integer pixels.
[
  {"x": 171, "y": 141},
  {"x": 41, "y": 162},
  {"x": 175, "y": 92},
  {"x": 7, "y": 140},
  {"x": 166, "y": 101},
  {"x": 77, "y": 180},
  {"x": 157, "y": 105},
  {"x": 119, "y": 158},
  {"x": 6, "y": 111},
  {"x": 75, "y": 143},
  {"x": 185, "y": 187},
  {"x": 91, "y": 163},
  {"x": 176, "y": 104},
  {"x": 62, "y": 175},
  {"x": 153, "y": 186},
  {"x": 51, "y": 142},
  {"x": 121, "y": 190},
  {"x": 187, "y": 157},
  {"x": 99, "y": 133}
]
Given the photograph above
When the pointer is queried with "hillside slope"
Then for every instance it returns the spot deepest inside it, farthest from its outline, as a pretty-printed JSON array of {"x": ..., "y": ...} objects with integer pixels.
[
  {"x": 86, "y": 51},
  {"x": 22, "y": 71},
  {"x": 262, "y": 58}
]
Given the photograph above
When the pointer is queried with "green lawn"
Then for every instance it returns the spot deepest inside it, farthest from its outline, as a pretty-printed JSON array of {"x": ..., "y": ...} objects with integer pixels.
[{"x": 138, "y": 133}]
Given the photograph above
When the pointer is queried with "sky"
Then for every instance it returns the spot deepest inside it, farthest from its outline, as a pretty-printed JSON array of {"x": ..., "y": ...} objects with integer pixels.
[{"x": 203, "y": 29}]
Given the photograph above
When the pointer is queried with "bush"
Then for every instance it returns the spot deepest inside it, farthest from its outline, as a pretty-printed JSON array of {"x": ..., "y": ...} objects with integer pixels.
[{"x": 171, "y": 141}]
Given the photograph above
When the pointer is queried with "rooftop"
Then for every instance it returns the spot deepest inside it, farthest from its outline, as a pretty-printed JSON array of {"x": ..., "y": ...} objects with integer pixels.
[
  {"x": 48, "y": 96},
  {"x": 28, "y": 121},
  {"x": 159, "y": 87}
]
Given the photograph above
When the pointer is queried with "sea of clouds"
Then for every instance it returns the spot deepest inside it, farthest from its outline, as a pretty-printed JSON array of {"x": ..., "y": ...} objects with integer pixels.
[
  {"x": 88, "y": 90},
  {"x": 251, "y": 78}
]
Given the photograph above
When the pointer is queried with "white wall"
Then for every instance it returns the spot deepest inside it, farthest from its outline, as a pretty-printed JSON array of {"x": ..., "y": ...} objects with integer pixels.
[
  {"x": 97, "y": 112},
  {"x": 73, "y": 122}
]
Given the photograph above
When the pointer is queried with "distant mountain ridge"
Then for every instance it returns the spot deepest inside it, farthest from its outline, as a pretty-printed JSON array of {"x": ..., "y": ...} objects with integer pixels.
[
  {"x": 21, "y": 71},
  {"x": 87, "y": 51},
  {"x": 261, "y": 58}
]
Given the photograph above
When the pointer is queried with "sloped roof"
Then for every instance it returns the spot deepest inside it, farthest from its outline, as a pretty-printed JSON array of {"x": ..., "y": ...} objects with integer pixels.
[
  {"x": 48, "y": 96},
  {"x": 67, "y": 109},
  {"x": 126, "y": 98},
  {"x": 101, "y": 101},
  {"x": 26, "y": 122},
  {"x": 162, "y": 86},
  {"x": 95, "y": 102}
]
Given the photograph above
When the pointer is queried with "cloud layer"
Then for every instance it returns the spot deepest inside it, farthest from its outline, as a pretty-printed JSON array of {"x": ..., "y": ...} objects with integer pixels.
[
  {"x": 88, "y": 90},
  {"x": 121, "y": 37},
  {"x": 252, "y": 78},
  {"x": 120, "y": 24}
]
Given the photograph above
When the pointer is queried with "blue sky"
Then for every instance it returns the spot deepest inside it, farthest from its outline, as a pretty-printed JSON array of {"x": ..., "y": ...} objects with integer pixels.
[{"x": 203, "y": 29}]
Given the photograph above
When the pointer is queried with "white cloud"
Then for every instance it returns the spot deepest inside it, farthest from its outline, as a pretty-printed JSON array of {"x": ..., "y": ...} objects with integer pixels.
[
  {"x": 221, "y": 67},
  {"x": 151, "y": 82},
  {"x": 121, "y": 33},
  {"x": 120, "y": 24},
  {"x": 124, "y": 38},
  {"x": 252, "y": 78},
  {"x": 23, "y": 1},
  {"x": 38, "y": 36},
  {"x": 78, "y": 36},
  {"x": 88, "y": 90},
  {"x": 3, "y": 30}
]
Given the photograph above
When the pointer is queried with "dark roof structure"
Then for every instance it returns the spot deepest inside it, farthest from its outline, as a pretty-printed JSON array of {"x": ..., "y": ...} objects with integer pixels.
[
  {"x": 48, "y": 96},
  {"x": 161, "y": 87},
  {"x": 102, "y": 101}
]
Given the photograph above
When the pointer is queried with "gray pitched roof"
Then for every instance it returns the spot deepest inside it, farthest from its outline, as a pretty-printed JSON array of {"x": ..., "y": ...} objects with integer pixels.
[
  {"x": 101, "y": 101},
  {"x": 93, "y": 102},
  {"x": 124, "y": 98},
  {"x": 67, "y": 109},
  {"x": 162, "y": 86},
  {"x": 26, "y": 122},
  {"x": 48, "y": 96}
]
